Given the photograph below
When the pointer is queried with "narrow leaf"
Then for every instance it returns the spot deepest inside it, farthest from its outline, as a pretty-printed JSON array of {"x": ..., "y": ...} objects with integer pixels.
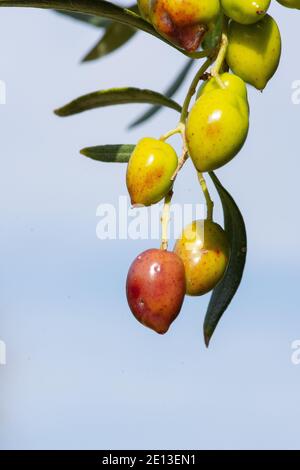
[
  {"x": 109, "y": 153},
  {"x": 115, "y": 96},
  {"x": 170, "y": 92},
  {"x": 116, "y": 35},
  {"x": 100, "y": 8},
  {"x": 92, "y": 20},
  {"x": 227, "y": 288}
]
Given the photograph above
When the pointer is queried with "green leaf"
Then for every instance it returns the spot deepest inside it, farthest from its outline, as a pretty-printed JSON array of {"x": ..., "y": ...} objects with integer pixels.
[
  {"x": 92, "y": 20},
  {"x": 109, "y": 153},
  {"x": 170, "y": 92},
  {"x": 99, "y": 8},
  {"x": 115, "y": 96},
  {"x": 227, "y": 288},
  {"x": 116, "y": 35}
]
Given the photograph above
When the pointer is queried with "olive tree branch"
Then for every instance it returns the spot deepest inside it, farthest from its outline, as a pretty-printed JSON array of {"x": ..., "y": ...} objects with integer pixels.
[
  {"x": 193, "y": 88},
  {"x": 103, "y": 9}
]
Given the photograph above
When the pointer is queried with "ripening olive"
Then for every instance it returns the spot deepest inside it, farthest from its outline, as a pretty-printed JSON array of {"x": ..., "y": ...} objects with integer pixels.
[
  {"x": 217, "y": 128},
  {"x": 144, "y": 8},
  {"x": 149, "y": 172},
  {"x": 184, "y": 22},
  {"x": 245, "y": 11},
  {"x": 231, "y": 82},
  {"x": 204, "y": 250},
  {"x": 254, "y": 51},
  {"x": 156, "y": 288}
]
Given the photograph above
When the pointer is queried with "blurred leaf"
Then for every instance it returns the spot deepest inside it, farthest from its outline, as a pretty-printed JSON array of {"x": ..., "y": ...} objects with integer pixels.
[
  {"x": 92, "y": 20},
  {"x": 109, "y": 153},
  {"x": 116, "y": 35},
  {"x": 115, "y": 96},
  {"x": 227, "y": 288},
  {"x": 212, "y": 39},
  {"x": 173, "y": 88}
]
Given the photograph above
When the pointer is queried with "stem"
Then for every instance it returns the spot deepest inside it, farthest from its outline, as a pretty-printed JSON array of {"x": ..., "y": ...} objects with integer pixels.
[
  {"x": 221, "y": 55},
  {"x": 165, "y": 218},
  {"x": 215, "y": 71},
  {"x": 170, "y": 133},
  {"x": 184, "y": 153},
  {"x": 192, "y": 89},
  {"x": 208, "y": 199}
]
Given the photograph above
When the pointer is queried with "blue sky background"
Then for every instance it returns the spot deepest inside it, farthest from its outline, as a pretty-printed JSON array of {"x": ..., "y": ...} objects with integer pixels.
[{"x": 81, "y": 372}]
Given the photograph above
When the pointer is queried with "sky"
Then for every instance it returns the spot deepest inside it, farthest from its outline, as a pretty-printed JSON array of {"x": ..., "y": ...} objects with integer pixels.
[{"x": 81, "y": 373}]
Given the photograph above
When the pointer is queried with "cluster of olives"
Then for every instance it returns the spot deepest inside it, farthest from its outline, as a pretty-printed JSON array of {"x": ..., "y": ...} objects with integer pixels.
[{"x": 213, "y": 132}]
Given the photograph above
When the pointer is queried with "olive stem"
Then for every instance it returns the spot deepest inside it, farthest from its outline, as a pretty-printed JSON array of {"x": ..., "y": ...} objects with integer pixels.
[
  {"x": 215, "y": 71},
  {"x": 184, "y": 154},
  {"x": 208, "y": 199},
  {"x": 180, "y": 129},
  {"x": 170, "y": 133},
  {"x": 165, "y": 219},
  {"x": 221, "y": 55},
  {"x": 192, "y": 89}
]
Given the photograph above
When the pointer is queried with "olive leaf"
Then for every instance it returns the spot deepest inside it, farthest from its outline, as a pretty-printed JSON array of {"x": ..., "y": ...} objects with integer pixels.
[
  {"x": 99, "y": 8},
  {"x": 116, "y": 35},
  {"x": 109, "y": 153},
  {"x": 92, "y": 20},
  {"x": 114, "y": 96},
  {"x": 170, "y": 92},
  {"x": 225, "y": 291}
]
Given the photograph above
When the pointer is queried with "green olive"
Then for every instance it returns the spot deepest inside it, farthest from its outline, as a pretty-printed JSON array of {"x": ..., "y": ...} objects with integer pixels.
[
  {"x": 216, "y": 129},
  {"x": 150, "y": 170},
  {"x": 144, "y": 7},
  {"x": 245, "y": 11},
  {"x": 231, "y": 82},
  {"x": 254, "y": 51}
]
